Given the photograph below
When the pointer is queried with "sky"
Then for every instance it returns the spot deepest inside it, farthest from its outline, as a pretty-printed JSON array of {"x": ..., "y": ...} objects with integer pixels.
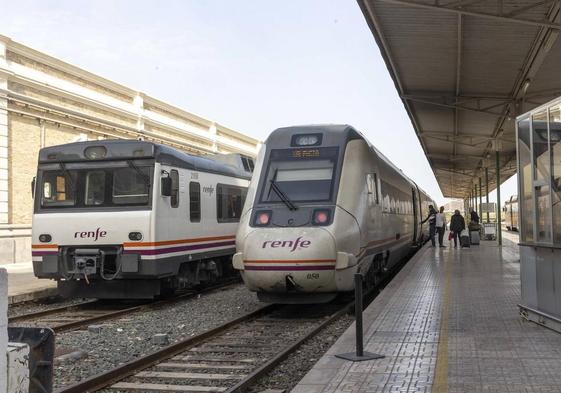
[{"x": 252, "y": 66}]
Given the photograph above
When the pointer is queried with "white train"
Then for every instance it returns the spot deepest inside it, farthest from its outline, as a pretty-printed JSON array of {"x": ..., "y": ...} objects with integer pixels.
[
  {"x": 131, "y": 219},
  {"x": 322, "y": 205},
  {"x": 510, "y": 210}
]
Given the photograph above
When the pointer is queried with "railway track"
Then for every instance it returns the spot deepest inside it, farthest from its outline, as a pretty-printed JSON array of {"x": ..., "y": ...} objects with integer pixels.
[
  {"x": 228, "y": 358},
  {"x": 79, "y": 315}
]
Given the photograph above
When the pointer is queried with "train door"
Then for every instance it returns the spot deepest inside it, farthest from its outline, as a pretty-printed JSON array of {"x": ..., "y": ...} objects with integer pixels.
[{"x": 415, "y": 215}]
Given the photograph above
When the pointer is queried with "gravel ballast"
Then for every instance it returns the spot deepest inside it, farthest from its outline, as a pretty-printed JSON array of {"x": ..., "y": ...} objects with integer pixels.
[{"x": 132, "y": 336}]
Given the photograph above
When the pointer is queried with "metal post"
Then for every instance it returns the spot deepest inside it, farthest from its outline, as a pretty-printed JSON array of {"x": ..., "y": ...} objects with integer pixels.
[
  {"x": 480, "y": 201},
  {"x": 475, "y": 197},
  {"x": 487, "y": 190},
  {"x": 498, "y": 170},
  {"x": 358, "y": 316},
  {"x": 359, "y": 355}
]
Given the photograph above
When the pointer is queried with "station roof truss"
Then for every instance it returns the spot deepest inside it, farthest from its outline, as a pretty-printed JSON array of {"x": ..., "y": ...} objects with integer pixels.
[{"x": 464, "y": 69}]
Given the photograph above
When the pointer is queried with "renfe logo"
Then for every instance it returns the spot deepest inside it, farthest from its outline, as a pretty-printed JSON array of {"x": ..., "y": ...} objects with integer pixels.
[
  {"x": 292, "y": 244},
  {"x": 90, "y": 235}
]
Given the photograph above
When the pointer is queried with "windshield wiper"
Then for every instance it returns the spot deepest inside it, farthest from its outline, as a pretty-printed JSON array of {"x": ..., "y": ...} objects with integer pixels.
[
  {"x": 68, "y": 176},
  {"x": 282, "y": 196},
  {"x": 144, "y": 176}
]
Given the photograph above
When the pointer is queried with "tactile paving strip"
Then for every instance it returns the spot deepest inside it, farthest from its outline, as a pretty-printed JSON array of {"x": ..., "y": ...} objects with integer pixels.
[{"x": 448, "y": 322}]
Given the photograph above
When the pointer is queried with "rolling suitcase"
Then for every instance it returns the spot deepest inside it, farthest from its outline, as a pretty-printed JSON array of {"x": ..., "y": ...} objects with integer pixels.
[
  {"x": 474, "y": 237},
  {"x": 464, "y": 238}
]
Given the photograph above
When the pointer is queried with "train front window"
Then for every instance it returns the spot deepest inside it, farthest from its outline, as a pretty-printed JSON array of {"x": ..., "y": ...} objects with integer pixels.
[
  {"x": 96, "y": 187},
  {"x": 131, "y": 186},
  {"x": 58, "y": 189},
  {"x": 300, "y": 177}
]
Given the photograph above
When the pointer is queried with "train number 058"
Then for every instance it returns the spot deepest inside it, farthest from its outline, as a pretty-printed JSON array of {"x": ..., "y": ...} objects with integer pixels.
[{"x": 313, "y": 276}]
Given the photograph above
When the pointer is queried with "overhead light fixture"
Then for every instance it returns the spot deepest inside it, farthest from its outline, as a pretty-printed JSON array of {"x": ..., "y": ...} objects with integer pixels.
[{"x": 525, "y": 86}]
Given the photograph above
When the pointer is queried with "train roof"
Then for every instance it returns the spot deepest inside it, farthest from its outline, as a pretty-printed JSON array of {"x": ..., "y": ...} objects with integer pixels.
[
  {"x": 333, "y": 134},
  {"x": 119, "y": 149}
]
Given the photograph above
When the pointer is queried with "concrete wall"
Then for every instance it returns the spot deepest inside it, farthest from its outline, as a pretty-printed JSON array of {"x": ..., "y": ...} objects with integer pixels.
[{"x": 15, "y": 243}]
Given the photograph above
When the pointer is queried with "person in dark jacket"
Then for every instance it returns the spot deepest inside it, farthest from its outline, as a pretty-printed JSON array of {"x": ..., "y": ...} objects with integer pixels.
[
  {"x": 474, "y": 217},
  {"x": 431, "y": 218},
  {"x": 457, "y": 225}
]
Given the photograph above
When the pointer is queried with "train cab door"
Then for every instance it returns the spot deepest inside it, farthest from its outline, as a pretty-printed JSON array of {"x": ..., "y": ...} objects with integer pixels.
[{"x": 415, "y": 215}]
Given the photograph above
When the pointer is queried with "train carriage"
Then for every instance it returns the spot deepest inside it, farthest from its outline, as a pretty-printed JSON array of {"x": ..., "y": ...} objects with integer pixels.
[
  {"x": 510, "y": 210},
  {"x": 131, "y": 219},
  {"x": 324, "y": 204}
]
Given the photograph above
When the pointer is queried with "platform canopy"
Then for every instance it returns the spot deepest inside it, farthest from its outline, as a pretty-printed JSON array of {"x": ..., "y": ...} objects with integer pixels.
[{"x": 464, "y": 70}]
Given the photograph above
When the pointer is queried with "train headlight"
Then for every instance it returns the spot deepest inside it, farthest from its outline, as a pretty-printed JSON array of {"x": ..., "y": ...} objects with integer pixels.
[
  {"x": 45, "y": 238},
  {"x": 135, "y": 236},
  {"x": 321, "y": 217},
  {"x": 306, "y": 140},
  {"x": 262, "y": 218},
  {"x": 95, "y": 152}
]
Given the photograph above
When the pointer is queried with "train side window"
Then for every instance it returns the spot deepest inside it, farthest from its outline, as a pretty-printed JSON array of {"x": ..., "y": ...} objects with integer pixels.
[
  {"x": 245, "y": 164},
  {"x": 248, "y": 164},
  {"x": 372, "y": 184},
  {"x": 194, "y": 201},
  {"x": 174, "y": 200},
  {"x": 229, "y": 202}
]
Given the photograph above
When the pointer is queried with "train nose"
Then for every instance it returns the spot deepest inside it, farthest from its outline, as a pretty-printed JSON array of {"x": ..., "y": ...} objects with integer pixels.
[{"x": 288, "y": 260}]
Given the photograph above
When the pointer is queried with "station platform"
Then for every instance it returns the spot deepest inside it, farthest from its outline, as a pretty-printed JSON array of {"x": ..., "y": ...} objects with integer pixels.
[
  {"x": 24, "y": 286},
  {"x": 448, "y": 322}
]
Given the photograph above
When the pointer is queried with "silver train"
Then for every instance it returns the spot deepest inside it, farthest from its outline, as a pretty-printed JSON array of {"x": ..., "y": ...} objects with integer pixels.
[
  {"x": 510, "y": 210},
  {"x": 133, "y": 219},
  {"x": 322, "y": 205}
]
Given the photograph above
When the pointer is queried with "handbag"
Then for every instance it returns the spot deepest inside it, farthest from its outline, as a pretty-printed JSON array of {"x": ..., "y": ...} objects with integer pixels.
[{"x": 450, "y": 235}]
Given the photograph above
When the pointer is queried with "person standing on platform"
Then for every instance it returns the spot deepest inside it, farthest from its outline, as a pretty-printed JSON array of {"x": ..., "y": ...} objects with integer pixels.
[
  {"x": 431, "y": 218},
  {"x": 457, "y": 225},
  {"x": 441, "y": 226},
  {"x": 474, "y": 217}
]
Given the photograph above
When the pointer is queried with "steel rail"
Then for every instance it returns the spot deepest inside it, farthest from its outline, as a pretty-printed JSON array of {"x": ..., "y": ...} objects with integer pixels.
[
  {"x": 254, "y": 376},
  {"x": 281, "y": 356},
  {"x": 49, "y": 311},
  {"x": 107, "y": 378},
  {"x": 69, "y": 326}
]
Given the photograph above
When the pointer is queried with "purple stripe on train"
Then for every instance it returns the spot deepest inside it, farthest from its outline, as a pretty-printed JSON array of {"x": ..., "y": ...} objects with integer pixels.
[
  {"x": 169, "y": 250},
  {"x": 42, "y": 253},
  {"x": 287, "y": 268}
]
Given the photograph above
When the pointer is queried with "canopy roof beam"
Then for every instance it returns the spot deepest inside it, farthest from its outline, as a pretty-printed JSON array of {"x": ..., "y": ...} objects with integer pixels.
[
  {"x": 529, "y": 7},
  {"x": 458, "y": 107},
  {"x": 463, "y": 11}
]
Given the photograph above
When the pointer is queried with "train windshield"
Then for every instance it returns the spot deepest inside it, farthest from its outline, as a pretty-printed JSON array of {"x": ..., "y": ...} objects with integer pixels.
[
  {"x": 300, "y": 175},
  {"x": 96, "y": 187}
]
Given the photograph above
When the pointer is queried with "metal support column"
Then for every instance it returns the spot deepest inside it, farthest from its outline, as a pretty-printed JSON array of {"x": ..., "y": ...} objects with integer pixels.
[
  {"x": 498, "y": 170},
  {"x": 475, "y": 197},
  {"x": 480, "y": 201},
  {"x": 487, "y": 190}
]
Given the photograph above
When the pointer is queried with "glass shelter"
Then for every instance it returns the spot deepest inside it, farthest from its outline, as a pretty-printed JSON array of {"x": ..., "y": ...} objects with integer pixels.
[{"x": 538, "y": 135}]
